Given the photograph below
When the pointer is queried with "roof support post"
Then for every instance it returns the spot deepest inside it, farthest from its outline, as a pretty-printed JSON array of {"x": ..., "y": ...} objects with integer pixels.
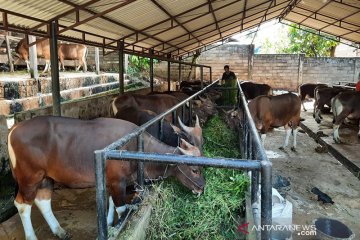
[
  {"x": 33, "y": 58},
  {"x": 54, "y": 62},
  {"x": 179, "y": 80},
  {"x": 151, "y": 70},
  {"x": 202, "y": 77},
  {"x": 210, "y": 70},
  {"x": 8, "y": 52},
  {"x": 168, "y": 72},
  {"x": 250, "y": 61},
  {"x": 121, "y": 67}
]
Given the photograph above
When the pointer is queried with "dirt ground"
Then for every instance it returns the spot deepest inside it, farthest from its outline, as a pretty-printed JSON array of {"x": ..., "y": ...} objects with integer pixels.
[{"x": 306, "y": 169}]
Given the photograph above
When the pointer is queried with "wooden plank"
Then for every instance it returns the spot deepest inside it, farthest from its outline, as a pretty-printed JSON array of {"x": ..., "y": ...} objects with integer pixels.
[{"x": 33, "y": 58}]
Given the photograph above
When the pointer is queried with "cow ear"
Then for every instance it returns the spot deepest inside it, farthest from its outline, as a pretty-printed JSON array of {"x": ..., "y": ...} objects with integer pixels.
[{"x": 176, "y": 129}]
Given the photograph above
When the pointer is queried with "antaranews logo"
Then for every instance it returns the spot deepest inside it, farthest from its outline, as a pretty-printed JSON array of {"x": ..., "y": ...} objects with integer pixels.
[{"x": 300, "y": 230}]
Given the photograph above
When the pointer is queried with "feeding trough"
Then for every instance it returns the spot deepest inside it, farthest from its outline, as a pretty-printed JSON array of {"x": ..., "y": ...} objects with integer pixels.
[{"x": 332, "y": 229}]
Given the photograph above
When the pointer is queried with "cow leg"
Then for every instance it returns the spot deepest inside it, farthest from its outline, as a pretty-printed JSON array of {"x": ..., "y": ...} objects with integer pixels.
[
  {"x": 317, "y": 116},
  {"x": 47, "y": 66},
  {"x": 111, "y": 211},
  {"x": 23, "y": 203},
  {"x": 295, "y": 131},
  {"x": 263, "y": 136},
  {"x": 27, "y": 65},
  {"x": 43, "y": 202},
  {"x": 338, "y": 120},
  {"x": 302, "y": 102},
  {"x": 118, "y": 194},
  {"x": 288, "y": 132}
]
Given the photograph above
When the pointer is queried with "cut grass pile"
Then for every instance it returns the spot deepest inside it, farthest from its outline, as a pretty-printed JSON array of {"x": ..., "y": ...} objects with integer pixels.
[{"x": 178, "y": 214}]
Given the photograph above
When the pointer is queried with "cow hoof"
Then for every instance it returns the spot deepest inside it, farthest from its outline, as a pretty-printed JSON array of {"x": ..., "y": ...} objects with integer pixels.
[
  {"x": 318, "y": 121},
  {"x": 313, "y": 115},
  {"x": 337, "y": 140},
  {"x": 321, "y": 117},
  {"x": 305, "y": 110},
  {"x": 293, "y": 149},
  {"x": 282, "y": 148},
  {"x": 62, "y": 234}
]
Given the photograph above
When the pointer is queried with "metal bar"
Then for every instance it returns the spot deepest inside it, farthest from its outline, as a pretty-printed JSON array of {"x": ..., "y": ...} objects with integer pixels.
[
  {"x": 266, "y": 198},
  {"x": 97, "y": 61},
  {"x": 33, "y": 57},
  {"x": 214, "y": 17},
  {"x": 190, "y": 112},
  {"x": 314, "y": 13},
  {"x": 184, "y": 159},
  {"x": 183, "y": 112},
  {"x": 173, "y": 114},
  {"x": 140, "y": 170},
  {"x": 151, "y": 71},
  {"x": 101, "y": 194},
  {"x": 161, "y": 129},
  {"x": 121, "y": 142},
  {"x": 55, "y": 85},
  {"x": 254, "y": 186},
  {"x": 121, "y": 67},
  {"x": 179, "y": 80}
]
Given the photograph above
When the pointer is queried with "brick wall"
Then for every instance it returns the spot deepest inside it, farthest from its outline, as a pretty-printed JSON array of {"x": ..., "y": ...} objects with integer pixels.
[
  {"x": 330, "y": 70},
  {"x": 279, "y": 71}
]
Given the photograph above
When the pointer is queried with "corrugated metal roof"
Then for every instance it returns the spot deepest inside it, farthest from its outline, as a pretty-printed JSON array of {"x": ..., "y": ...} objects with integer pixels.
[{"x": 173, "y": 27}]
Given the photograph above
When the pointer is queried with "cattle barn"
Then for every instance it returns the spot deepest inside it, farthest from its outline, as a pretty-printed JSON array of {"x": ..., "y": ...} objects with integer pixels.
[{"x": 82, "y": 144}]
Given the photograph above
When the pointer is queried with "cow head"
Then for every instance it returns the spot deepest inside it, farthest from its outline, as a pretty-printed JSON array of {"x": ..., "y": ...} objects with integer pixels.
[
  {"x": 204, "y": 108},
  {"x": 190, "y": 176},
  {"x": 192, "y": 134},
  {"x": 233, "y": 118}
]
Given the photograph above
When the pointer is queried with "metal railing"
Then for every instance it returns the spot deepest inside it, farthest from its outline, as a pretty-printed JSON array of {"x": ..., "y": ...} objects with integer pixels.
[
  {"x": 252, "y": 148},
  {"x": 255, "y": 166}
]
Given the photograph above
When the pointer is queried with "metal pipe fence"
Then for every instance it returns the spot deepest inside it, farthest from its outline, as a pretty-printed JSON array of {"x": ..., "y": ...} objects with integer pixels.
[{"x": 261, "y": 167}]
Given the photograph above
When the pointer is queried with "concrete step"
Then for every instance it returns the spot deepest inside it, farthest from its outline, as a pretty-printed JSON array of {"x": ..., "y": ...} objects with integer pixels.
[
  {"x": 17, "y": 87},
  {"x": 8, "y": 107}
]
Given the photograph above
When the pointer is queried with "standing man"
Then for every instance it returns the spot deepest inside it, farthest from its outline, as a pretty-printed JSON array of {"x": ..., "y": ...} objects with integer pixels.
[
  {"x": 228, "y": 75},
  {"x": 229, "y": 80}
]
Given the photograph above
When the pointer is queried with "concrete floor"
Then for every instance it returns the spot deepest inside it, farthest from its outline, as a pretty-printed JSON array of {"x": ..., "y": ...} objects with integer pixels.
[{"x": 306, "y": 169}]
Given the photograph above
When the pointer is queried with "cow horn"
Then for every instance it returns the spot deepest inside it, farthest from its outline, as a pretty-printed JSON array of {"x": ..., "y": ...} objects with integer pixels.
[
  {"x": 197, "y": 123},
  {"x": 185, "y": 152},
  {"x": 183, "y": 126},
  {"x": 202, "y": 99},
  {"x": 188, "y": 145}
]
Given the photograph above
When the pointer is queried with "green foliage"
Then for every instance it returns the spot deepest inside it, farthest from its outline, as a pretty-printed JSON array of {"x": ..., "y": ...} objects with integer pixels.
[
  {"x": 308, "y": 43},
  {"x": 138, "y": 64},
  {"x": 178, "y": 214}
]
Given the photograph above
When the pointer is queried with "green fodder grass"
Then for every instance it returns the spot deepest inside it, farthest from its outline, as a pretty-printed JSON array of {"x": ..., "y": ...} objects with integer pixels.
[{"x": 178, "y": 214}]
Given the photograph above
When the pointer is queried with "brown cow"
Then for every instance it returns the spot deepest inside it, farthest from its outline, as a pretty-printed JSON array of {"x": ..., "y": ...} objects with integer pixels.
[
  {"x": 73, "y": 52},
  {"x": 308, "y": 90},
  {"x": 42, "y": 49},
  {"x": 65, "y": 52},
  {"x": 252, "y": 90},
  {"x": 323, "y": 97},
  {"x": 157, "y": 103},
  {"x": 170, "y": 133},
  {"x": 345, "y": 105},
  {"x": 47, "y": 149},
  {"x": 276, "y": 111}
]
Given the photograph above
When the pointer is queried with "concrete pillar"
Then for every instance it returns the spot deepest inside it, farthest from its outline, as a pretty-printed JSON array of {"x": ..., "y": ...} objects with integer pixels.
[
  {"x": 356, "y": 69},
  {"x": 250, "y": 61},
  {"x": 300, "y": 69},
  {"x": 97, "y": 60},
  {"x": 33, "y": 58},
  {"x": 8, "y": 52},
  {"x": 54, "y": 62}
]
